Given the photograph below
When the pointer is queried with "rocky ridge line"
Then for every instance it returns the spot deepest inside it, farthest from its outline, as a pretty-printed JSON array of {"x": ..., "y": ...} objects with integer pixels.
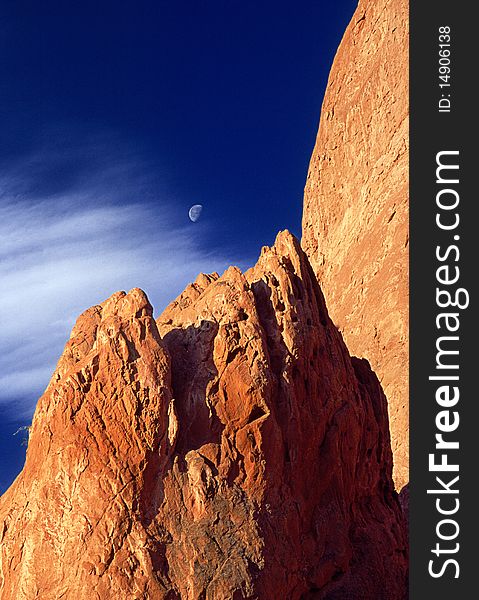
[{"x": 231, "y": 450}]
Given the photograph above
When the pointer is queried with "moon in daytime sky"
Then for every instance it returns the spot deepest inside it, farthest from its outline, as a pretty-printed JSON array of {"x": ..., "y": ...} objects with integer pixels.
[{"x": 195, "y": 212}]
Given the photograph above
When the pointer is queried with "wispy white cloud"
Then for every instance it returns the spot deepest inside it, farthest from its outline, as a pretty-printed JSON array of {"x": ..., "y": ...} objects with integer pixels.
[{"x": 65, "y": 251}]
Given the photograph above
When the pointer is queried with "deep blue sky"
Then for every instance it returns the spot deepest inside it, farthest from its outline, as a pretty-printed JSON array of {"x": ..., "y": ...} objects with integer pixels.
[{"x": 115, "y": 117}]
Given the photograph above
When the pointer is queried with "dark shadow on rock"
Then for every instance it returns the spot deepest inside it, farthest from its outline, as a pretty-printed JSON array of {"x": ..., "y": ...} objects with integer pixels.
[{"x": 193, "y": 369}]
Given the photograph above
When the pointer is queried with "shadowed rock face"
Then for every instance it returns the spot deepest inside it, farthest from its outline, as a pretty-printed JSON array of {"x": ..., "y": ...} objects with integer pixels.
[
  {"x": 231, "y": 450},
  {"x": 355, "y": 219}
]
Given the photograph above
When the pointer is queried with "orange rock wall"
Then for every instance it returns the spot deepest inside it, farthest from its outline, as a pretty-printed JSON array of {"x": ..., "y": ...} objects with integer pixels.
[
  {"x": 232, "y": 450},
  {"x": 355, "y": 219}
]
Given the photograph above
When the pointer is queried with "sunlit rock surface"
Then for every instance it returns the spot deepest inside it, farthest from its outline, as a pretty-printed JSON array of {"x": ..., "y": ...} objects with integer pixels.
[
  {"x": 231, "y": 450},
  {"x": 355, "y": 219}
]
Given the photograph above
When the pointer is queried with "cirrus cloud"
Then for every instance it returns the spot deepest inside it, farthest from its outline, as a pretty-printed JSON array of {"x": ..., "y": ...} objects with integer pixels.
[{"x": 62, "y": 252}]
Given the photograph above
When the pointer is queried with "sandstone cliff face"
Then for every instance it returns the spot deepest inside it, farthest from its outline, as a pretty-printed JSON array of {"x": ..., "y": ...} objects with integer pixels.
[
  {"x": 355, "y": 220},
  {"x": 231, "y": 450}
]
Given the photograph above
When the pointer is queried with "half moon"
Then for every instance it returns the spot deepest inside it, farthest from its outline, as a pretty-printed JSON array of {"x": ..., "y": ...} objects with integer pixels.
[{"x": 195, "y": 212}]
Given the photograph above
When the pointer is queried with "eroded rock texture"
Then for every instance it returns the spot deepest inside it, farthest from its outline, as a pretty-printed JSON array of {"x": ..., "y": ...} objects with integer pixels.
[
  {"x": 355, "y": 220},
  {"x": 231, "y": 450}
]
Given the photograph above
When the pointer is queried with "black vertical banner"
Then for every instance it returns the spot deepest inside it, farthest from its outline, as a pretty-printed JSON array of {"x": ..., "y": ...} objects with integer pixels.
[{"x": 443, "y": 301}]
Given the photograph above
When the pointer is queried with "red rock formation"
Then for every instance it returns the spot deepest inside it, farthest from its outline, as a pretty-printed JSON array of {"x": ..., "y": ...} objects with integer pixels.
[
  {"x": 355, "y": 220},
  {"x": 73, "y": 521},
  {"x": 233, "y": 450}
]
